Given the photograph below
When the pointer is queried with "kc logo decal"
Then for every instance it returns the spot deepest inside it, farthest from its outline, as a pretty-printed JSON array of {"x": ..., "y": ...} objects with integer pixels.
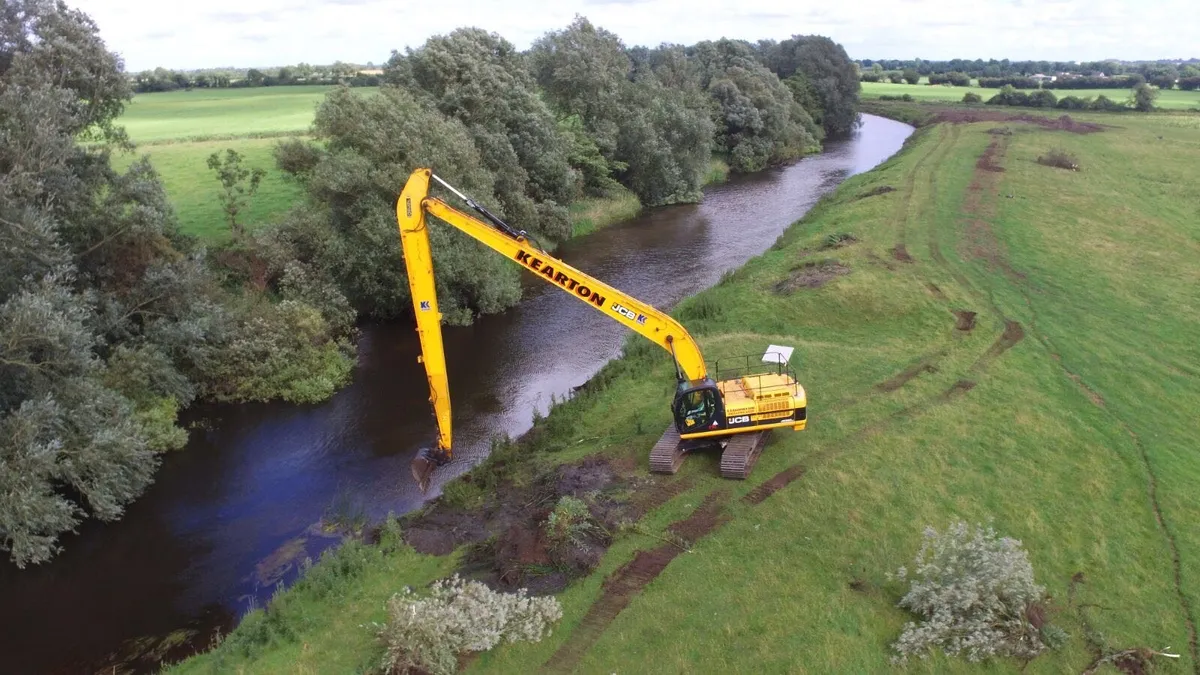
[{"x": 425, "y": 306}]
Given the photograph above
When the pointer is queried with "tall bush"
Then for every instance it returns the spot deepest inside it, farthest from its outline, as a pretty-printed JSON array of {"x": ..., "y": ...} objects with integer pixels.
[
  {"x": 428, "y": 632},
  {"x": 975, "y": 595}
]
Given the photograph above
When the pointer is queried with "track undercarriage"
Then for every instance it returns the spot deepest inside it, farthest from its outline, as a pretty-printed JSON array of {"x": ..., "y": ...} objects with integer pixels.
[{"x": 738, "y": 455}]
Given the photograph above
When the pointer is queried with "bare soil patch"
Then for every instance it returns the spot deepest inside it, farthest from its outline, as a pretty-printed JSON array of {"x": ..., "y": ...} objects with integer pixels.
[
  {"x": 964, "y": 320},
  {"x": 987, "y": 161},
  {"x": 1063, "y": 123},
  {"x": 811, "y": 275},
  {"x": 875, "y": 192},
  {"x": 508, "y": 546},
  {"x": 900, "y": 252},
  {"x": 773, "y": 484},
  {"x": 907, "y": 375}
]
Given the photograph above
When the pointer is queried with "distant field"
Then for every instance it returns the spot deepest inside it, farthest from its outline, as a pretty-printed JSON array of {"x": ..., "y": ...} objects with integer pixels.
[
  {"x": 195, "y": 192},
  {"x": 180, "y": 129},
  {"x": 181, "y": 115},
  {"x": 1173, "y": 99}
]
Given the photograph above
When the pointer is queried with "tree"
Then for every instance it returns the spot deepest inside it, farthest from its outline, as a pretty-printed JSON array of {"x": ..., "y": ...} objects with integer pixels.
[
  {"x": 651, "y": 126},
  {"x": 1143, "y": 97},
  {"x": 896, "y": 78},
  {"x": 240, "y": 184},
  {"x": 110, "y": 319},
  {"x": 759, "y": 123},
  {"x": 480, "y": 79},
  {"x": 972, "y": 97},
  {"x": 911, "y": 76},
  {"x": 255, "y": 77},
  {"x": 821, "y": 68}
]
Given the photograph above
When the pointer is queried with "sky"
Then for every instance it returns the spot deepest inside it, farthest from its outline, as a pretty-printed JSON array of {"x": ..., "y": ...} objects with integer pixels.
[{"x": 212, "y": 33}]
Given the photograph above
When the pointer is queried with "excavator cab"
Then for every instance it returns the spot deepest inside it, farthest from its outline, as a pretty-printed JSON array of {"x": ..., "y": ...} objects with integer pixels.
[{"x": 698, "y": 407}]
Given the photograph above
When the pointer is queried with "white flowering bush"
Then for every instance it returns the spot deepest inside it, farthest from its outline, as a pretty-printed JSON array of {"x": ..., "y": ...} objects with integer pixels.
[
  {"x": 430, "y": 631},
  {"x": 975, "y": 594}
]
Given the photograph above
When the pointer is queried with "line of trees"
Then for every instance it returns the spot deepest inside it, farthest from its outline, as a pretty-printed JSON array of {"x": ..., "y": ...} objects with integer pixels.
[
  {"x": 111, "y": 320},
  {"x": 1161, "y": 73},
  {"x": 1141, "y": 98},
  {"x": 577, "y": 115},
  {"x": 162, "y": 79}
]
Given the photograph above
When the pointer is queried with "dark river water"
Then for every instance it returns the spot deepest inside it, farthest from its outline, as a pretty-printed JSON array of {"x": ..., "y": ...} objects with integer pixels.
[{"x": 229, "y": 516}]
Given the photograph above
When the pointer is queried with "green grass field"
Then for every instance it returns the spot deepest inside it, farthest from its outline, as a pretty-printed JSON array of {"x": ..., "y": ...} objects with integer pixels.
[
  {"x": 170, "y": 117},
  {"x": 1173, "y": 99},
  {"x": 180, "y": 129},
  {"x": 1066, "y": 418}
]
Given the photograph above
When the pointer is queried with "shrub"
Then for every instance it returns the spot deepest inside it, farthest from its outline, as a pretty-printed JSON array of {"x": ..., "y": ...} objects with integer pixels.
[
  {"x": 896, "y": 78},
  {"x": 972, "y": 97},
  {"x": 457, "y": 616},
  {"x": 569, "y": 523},
  {"x": 1103, "y": 102},
  {"x": 889, "y": 97},
  {"x": 1009, "y": 96},
  {"x": 1061, "y": 159},
  {"x": 1043, "y": 98},
  {"x": 952, "y": 78},
  {"x": 1074, "y": 103},
  {"x": 911, "y": 76},
  {"x": 975, "y": 593},
  {"x": 870, "y": 77}
]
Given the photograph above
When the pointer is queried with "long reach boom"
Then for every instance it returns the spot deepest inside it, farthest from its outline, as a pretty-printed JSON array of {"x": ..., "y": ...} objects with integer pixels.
[{"x": 412, "y": 211}]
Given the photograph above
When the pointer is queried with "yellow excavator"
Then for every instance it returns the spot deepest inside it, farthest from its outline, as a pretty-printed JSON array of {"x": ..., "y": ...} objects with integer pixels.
[{"x": 734, "y": 410}]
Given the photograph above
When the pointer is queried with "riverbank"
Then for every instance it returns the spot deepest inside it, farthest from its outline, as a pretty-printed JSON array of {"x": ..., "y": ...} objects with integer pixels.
[{"x": 936, "y": 309}]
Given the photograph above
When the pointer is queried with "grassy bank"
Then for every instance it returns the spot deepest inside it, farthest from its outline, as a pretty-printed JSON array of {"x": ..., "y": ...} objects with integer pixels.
[
  {"x": 1170, "y": 99},
  {"x": 1061, "y": 413}
]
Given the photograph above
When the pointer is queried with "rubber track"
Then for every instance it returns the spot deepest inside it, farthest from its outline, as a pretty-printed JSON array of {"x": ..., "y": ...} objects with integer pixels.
[
  {"x": 666, "y": 456},
  {"x": 741, "y": 453}
]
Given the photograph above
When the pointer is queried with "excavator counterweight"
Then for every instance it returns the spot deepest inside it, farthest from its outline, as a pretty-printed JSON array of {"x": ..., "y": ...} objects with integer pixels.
[{"x": 735, "y": 412}]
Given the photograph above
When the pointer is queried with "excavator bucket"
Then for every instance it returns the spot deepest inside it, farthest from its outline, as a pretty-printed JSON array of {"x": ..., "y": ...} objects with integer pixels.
[
  {"x": 425, "y": 463},
  {"x": 423, "y": 467}
]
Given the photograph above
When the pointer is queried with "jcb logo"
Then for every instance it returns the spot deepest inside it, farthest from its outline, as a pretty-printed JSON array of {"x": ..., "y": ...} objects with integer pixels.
[
  {"x": 628, "y": 313},
  {"x": 740, "y": 419}
]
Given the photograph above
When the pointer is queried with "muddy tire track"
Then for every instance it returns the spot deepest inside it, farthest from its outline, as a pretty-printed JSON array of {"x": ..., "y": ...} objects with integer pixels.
[
  {"x": 904, "y": 211},
  {"x": 623, "y": 585},
  {"x": 925, "y": 365}
]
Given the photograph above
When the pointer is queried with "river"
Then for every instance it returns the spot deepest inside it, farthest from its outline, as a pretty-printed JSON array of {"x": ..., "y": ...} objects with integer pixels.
[{"x": 229, "y": 516}]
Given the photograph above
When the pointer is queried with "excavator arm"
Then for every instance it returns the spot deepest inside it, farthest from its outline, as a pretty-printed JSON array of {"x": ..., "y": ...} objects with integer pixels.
[{"x": 412, "y": 211}]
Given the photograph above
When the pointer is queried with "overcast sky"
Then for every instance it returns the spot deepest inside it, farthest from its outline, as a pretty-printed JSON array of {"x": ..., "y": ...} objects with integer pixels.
[{"x": 210, "y": 33}]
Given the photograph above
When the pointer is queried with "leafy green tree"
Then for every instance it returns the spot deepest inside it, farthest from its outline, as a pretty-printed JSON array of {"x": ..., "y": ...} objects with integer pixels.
[
  {"x": 371, "y": 145},
  {"x": 1143, "y": 97},
  {"x": 911, "y": 76},
  {"x": 110, "y": 320},
  {"x": 240, "y": 184},
  {"x": 829, "y": 79},
  {"x": 759, "y": 123},
  {"x": 480, "y": 79},
  {"x": 652, "y": 126}
]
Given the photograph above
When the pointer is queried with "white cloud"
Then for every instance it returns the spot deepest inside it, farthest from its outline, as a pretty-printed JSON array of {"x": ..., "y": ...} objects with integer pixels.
[{"x": 277, "y": 32}]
